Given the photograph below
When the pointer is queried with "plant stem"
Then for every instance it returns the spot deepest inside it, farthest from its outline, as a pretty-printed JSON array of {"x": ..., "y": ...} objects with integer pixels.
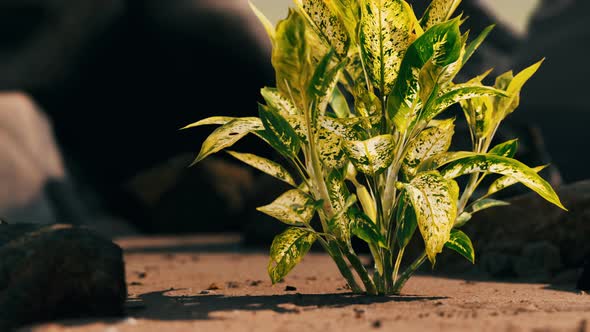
[
  {"x": 399, "y": 284},
  {"x": 336, "y": 255},
  {"x": 398, "y": 263},
  {"x": 361, "y": 271}
]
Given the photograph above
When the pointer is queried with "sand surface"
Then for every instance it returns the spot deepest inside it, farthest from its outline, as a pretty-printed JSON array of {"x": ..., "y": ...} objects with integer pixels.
[{"x": 168, "y": 280}]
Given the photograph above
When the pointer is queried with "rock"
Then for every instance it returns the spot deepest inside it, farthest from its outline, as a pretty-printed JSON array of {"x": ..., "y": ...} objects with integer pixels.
[
  {"x": 56, "y": 272},
  {"x": 538, "y": 261},
  {"x": 584, "y": 281},
  {"x": 29, "y": 160},
  {"x": 529, "y": 239}
]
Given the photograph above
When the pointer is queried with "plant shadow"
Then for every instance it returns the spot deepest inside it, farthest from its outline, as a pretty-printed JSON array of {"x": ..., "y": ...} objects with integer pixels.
[{"x": 160, "y": 306}]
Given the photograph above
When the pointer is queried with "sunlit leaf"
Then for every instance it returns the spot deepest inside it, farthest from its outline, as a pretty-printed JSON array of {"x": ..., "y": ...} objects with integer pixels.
[
  {"x": 507, "y": 181},
  {"x": 293, "y": 208},
  {"x": 214, "y": 120},
  {"x": 339, "y": 195},
  {"x": 434, "y": 199},
  {"x": 387, "y": 28},
  {"x": 505, "y": 166},
  {"x": 461, "y": 243},
  {"x": 438, "y": 11},
  {"x": 276, "y": 100},
  {"x": 287, "y": 250},
  {"x": 429, "y": 143},
  {"x": 506, "y": 149},
  {"x": 371, "y": 156},
  {"x": 339, "y": 104},
  {"x": 227, "y": 135},
  {"x": 327, "y": 24},
  {"x": 278, "y": 131},
  {"x": 264, "y": 165}
]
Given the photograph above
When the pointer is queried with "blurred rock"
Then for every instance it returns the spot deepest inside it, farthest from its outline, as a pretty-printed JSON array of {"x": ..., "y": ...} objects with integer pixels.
[
  {"x": 211, "y": 196},
  {"x": 58, "y": 271},
  {"x": 538, "y": 261},
  {"x": 530, "y": 239}
]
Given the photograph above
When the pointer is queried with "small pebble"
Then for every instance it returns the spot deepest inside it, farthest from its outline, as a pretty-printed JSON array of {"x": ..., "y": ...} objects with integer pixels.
[
  {"x": 206, "y": 292},
  {"x": 213, "y": 286},
  {"x": 135, "y": 283},
  {"x": 377, "y": 324},
  {"x": 255, "y": 282},
  {"x": 141, "y": 275},
  {"x": 358, "y": 312},
  {"x": 233, "y": 284},
  {"x": 290, "y": 288}
]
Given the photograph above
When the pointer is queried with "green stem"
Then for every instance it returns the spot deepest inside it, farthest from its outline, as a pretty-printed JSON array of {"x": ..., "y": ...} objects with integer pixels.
[
  {"x": 336, "y": 255},
  {"x": 399, "y": 284},
  {"x": 361, "y": 271},
  {"x": 398, "y": 263}
]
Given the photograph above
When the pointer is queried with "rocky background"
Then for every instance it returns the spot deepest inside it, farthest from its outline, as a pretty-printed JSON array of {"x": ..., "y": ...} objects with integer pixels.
[{"x": 94, "y": 92}]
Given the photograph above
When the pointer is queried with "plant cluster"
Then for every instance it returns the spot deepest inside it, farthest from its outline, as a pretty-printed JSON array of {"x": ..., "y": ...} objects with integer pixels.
[{"x": 357, "y": 115}]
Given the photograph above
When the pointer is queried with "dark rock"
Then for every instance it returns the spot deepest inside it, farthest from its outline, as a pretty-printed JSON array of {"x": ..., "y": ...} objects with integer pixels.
[
  {"x": 56, "y": 272},
  {"x": 538, "y": 261},
  {"x": 528, "y": 239},
  {"x": 290, "y": 288},
  {"x": 584, "y": 281}
]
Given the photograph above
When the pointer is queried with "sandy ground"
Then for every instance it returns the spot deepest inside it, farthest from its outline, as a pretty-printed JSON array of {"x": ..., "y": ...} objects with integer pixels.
[{"x": 168, "y": 280}]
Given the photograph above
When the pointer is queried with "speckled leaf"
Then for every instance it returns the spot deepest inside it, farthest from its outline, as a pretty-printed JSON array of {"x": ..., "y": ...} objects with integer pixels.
[
  {"x": 476, "y": 207},
  {"x": 506, "y": 149},
  {"x": 293, "y": 208},
  {"x": 438, "y": 11},
  {"x": 507, "y": 181},
  {"x": 291, "y": 58},
  {"x": 387, "y": 28},
  {"x": 227, "y": 135},
  {"x": 214, "y": 120},
  {"x": 434, "y": 199},
  {"x": 287, "y": 250},
  {"x": 275, "y": 99},
  {"x": 278, "y": 131},
  {"x": 457, "y": 94},
  {"x": 371, "y": 156},
  {"x": 505, "y": 166},
  {"x": 323, "y": 82},
  {"x": 264, "y": 165},
  {"x": 440, "y": 46},
  {"x": 461, "y": 243},
  {"x": 326, "y": 22},
  {"x": 430, "y": 142},
  {"x": 339, "y": 195}
]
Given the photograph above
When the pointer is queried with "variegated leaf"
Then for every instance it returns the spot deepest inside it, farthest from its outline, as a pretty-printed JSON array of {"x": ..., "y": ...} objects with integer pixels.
[
  {"x": 505, "y": 166},
  {"x": 434, "y": 199},
  {"x": 387, "y": 29},
  {"x": 506, "y": 149},
  {"x": 264, "y": 165},
  {"x": 322, "y": 84},
  {"x": 227, "y": 135},
  {"x": 476, "y": 43},
  {"x": 287, "y": 250},
  {"x": 457, "y": 94},
  {"x": 293, "y": 208},
  {"x": 476, "y": 207},
  {"x": 291, "y": 58},
  {"x": 440, "y": 46},
  {"x": 371, "y": 156},
  {"x": 276, "y": 100},
  {"x": 513, "y": 86},
  {"x": 430, "y": 142},
  {"x": 507, "y": 181},
  {"x": 339, "y": 195},
  {"x": 461, "y": 243},
  {"x": 214, "y": 120},
  {"x": 327, "y": 24},
  {"x": 438, "y": 11},
  {"x": 278, "y": 132}
]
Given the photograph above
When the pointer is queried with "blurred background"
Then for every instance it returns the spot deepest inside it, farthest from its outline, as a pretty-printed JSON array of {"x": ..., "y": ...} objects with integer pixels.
[{"x": 94, "y": 91}]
